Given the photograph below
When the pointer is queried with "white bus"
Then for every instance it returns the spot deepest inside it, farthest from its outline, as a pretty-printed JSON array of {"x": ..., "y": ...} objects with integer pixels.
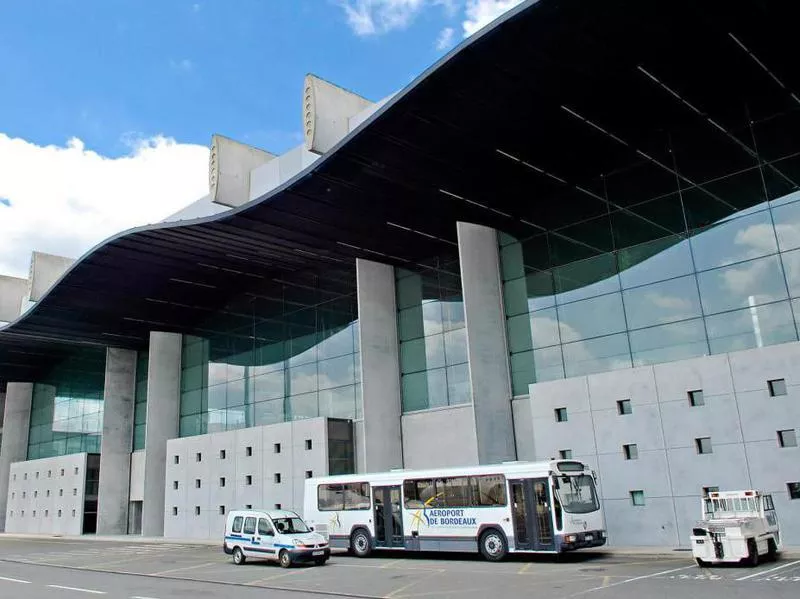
[{"x": 518, "y": 507}]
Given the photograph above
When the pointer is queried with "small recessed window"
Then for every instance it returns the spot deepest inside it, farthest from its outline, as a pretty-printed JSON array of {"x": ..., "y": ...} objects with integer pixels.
[
  {"x": 794, "y": 490},
  {"x": 77, "y": 470},
  {"x": 637, "y": 497},
  {"x": 73, "y": 513},
  {"x": 37, "y": 475},
  {"x": 176, "y": 459},
  {"x": 198, "y": 457},
  {"x": 308, "y": 444},
  {"x": 222, "y": 510},
  {"x": 777, "y": 387},
  {"x": 703, "y": 445},
  {"x": 248, "y": 480},
  {"x": 62, "y": 472},
  {"x": 174, "y": 510},
  {"x": 222, "y": 454},
  {"x": 277, "y": 506},
  {"x": 23, "y": 512},
  {"x": 197, "y": 510},
  {"x": 49, "y": 474},
  {"x": 248, "y": 451},
  {"x": 696, "y": 398},
  {"x": 36, "y": 493},
  {"x": 25, "y": 476},
  {"x": 561, "y": 414},
  {"x": 309, "y": 473},
  {"x": 59, "y": 513},
  {"x": 74, "y": 492},
  {"x": 48, "y": 493},
  {"x": 197, "y": 483},
  {"x": 249, "y": 506},
  {"x": 277, "y": 447},
  {"x": 787, "y": 438},
  {"x": 624, "y": 407},
  {"x": 15, "y": 477},
  {"x": 47, "y": 513},
  {"x": 175, "y": 485},
  {"x": 61, "y": 492},
  {"x": 631, "y": 451},
  {"x": 13, "y": 495},
  {"x": 24, "y": 494},
  {"x": 565, "y": 454},
  {"x": 221, "y": 481},
  {"x": 708, "y": 490},
  {"x": 277, "y": 477},
  {"x": 34, "y": 513}
]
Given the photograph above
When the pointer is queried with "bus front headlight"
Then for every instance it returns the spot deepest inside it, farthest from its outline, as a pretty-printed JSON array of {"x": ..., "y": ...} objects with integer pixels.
[{"x": 571, "y": 538}]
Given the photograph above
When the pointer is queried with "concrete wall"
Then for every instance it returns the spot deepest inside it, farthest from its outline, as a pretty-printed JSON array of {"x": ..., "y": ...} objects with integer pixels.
[
  {"x": 47, "y": 496},
  {"x": 229, "y": 167},
  {"x": 184, "y": 468},
  {"x": 117, "y": 441},
  {"x": 12, "y": 290},
  {"x": 46, "y": 269},
  {"x": 14, "y": 446},
  {"x": 739, "y": 416},
  {"x": 137, "y": 476},
  {"x": 267, "y": 177},
  {"x": 440, "y": 437},
  {"x": 327, "y": 110}
]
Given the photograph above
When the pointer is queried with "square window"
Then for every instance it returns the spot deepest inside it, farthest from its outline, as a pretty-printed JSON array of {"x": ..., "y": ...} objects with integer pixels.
[
  {"x": 74, "y": 492},
  {"x": 24, "y": 494},
  {"x": 76, "y": 470},
  {"x": 249, "y": 506},
  {"x": 62, "y": 472},
  {"x": 46, "y": 513},
  {"x": 175, "y": 484},
  {"x": 703, "y": 445},
  {"x": 34, "y": 513},
  {"x": 277, "y": 447},
  {"x": 777, "y": 387},
  {"x": 197, "y": 510},
  {"x": 709, "y": 490},
  {"x": 36, "y": 493},
  {"x": 631, "y": 451},
  {"x": 221, "y": 454},
  {"x": 73, "y": 513},
  {"x": 222, "y": 510},
  {"x": 696, "y": 398},
  {"x": 248, "y": 451},
  {"x": 197, "y": 483},
  {"x": 787, "y": 438},
  {"x": 61, "y": 492},
  {"x": 248, "y": 480},
  {"x": 48, "y": 493},
  {"x": 174, "y": 510},
  {"x": 59, "y": 513},
  {"x": 624, "y": 407},
  {"x": 308, "y": 444},
  {"x": 277, "y": 478},
  {"x": 565, "y": 454},
  {"x": 37, "y": 475},
  {"x": 561, "y": 414},
  {"x": 794, "y": 490},
  {"x": 199, "y": 457},
  {"x": 222, "y": 481},
  {"x": 637, "y": 498},
  {"x": 277, "y": 506},
  {"x": 176, "y": 459},
  {"x": 309, "y": 473},
  {"x": 49, "y": 474}
]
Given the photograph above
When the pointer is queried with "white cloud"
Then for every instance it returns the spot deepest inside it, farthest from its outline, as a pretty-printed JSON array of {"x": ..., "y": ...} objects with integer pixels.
[
  {"x": 374, "y": 17},
  {"x": 65, "y": 199},
  {"x": 445, "y": 39},
  {"x": 183, "y": 64},
  {"x": 480, "y": 13}
]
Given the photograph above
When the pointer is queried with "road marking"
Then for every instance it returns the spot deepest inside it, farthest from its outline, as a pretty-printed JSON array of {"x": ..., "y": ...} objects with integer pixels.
[
  {"x": 627, "y": 580},
  {"x": 606, "y": 581},
  {"x": 15, "y": 580},
  {"x": 273, "y": 577},
  {"x": 525, "y": 568},
  {"x": 140, "y": 597},
  {"x": 390, "y": 564},
  {"x": 58, "y": 586},
  {"x": 399, "y": 590},
  {"x": 184, "y": 568},
  {"x": 768, "y": 571}
]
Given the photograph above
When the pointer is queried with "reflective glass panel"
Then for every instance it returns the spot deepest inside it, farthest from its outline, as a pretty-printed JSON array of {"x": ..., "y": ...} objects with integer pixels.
[
  {"x": 734, "y": 240},
  {"x": 597, "y": 355},
  {"x": 591, "y": 318},
  {"x": 748, "y": 283},
  {"x": 660, "y": 303}
]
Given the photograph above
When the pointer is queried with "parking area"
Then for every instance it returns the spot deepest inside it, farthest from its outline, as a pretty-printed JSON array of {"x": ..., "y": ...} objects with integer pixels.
[{"x": 395, "y": 575}]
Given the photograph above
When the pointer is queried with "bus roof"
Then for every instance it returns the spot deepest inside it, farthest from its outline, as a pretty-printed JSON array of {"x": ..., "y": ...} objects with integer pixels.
[{"x": 507, "y": 468}]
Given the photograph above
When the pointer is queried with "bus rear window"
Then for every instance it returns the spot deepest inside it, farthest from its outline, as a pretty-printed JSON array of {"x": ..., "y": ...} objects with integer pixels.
[{"x": 343, "y": 496}]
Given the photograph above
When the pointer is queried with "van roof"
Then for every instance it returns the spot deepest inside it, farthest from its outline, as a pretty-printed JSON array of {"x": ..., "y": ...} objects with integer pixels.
[{"x": 271, "y": 513}]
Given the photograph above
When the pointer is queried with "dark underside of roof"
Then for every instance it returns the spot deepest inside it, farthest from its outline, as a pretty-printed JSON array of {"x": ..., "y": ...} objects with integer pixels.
[{"x": 522, "y": 129}]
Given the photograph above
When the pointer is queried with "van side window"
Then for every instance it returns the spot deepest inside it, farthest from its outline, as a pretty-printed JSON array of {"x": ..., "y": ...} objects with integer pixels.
[
  {"x": 237, "y": 524},
  {"x": 249, "y": 526},
  {"x": 264, "y": 527}
]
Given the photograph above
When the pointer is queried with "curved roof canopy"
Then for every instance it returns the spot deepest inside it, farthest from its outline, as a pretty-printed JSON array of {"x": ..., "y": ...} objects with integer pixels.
[{"x": 522, "y": 127}]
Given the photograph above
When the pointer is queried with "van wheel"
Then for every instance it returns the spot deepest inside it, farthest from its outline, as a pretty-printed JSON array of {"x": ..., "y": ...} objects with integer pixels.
[
  {"x": 702, "y": 563},
  {"x": 321, "y": 561},
  {"x": 360, "y": 543},
  {"x": 493, "y": 545},
  {"x": 752, "y": 553},
  {"x": 284, "y": 559},
  {"x": 238, "y": 556},
  {"x": 772, "y": 550}
]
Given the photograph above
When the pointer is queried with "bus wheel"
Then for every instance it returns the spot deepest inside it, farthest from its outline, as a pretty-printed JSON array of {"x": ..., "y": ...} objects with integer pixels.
[
  {"x": 360, "y": 543},
  {"x": 238, "y": 556},
  {"x": 493, "y": 545}
]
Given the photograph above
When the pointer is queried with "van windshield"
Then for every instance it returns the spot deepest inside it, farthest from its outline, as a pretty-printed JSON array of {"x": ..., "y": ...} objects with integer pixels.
[{"x": 290, "y": 525}]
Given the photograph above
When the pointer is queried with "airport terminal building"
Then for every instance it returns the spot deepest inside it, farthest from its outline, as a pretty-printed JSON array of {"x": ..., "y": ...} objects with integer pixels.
[{"x": 576, "y": 235}]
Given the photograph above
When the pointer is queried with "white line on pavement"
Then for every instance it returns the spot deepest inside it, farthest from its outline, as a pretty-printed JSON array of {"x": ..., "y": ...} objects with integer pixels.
[
  {"x": 15, "y": 580},
  {"x": 768, "y": 571},
  {"x": 626, "y": 581},
  {"x": 140, "y": 597},
  {"x": 58, "y": 586}
]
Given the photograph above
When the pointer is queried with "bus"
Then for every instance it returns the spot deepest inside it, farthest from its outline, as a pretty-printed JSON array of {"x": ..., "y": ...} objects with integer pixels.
[{"x": 514, "y": 507}]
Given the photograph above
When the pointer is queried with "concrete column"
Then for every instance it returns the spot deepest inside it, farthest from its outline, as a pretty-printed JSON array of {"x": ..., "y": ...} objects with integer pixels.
[
  {"x": 163, "y": 410},
  {"x": 14, "y": 448},
  {"x": 486, "y": 342},
  {"x": 380, "y": 367},
  {"x": 116, "y": 447}
]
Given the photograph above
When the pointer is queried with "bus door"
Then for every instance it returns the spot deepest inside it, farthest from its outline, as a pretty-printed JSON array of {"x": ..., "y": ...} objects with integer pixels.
[
  {"x": 388, "y": 517},
  {"x": 532, "y": 514}
]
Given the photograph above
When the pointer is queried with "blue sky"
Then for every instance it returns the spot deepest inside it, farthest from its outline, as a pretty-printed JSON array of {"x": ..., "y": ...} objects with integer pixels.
[{"x": 102, "y": 70}]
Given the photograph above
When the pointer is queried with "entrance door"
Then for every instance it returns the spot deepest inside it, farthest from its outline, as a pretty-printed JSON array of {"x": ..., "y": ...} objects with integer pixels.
[
  {"x": 388, "y": 517},
  {"x": 531, "y": 510}
]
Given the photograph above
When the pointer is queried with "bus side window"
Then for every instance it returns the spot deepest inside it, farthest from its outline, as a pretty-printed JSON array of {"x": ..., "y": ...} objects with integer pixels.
[
  {"x": 419, "y": 494},
  {"x": 237, "y": 524}
]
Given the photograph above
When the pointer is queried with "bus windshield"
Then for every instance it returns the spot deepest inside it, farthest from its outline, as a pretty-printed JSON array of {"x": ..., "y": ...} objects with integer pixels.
[{"x": 576, "y": 494}]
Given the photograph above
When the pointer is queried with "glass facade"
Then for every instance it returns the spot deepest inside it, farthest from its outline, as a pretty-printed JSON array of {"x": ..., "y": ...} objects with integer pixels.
[
  {"x": 676, "y": 265},
  {"x": 67, "y": 407},
  {"x": 263, "y": 360},
  {"x": 432, "y": 336},
  {"x": 140, "y": 401}
]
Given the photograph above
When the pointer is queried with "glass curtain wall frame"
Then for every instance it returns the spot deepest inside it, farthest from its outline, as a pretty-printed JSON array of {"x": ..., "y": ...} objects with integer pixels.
[{"x": 672, "y": 271}]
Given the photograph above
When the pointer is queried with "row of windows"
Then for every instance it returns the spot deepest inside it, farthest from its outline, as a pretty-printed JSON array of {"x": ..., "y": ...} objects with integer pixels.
[
  {"x": 637, "y": 496},
  {"x": 221, "y": 510},
  {"x": 46, "y": 514},
  {"x": 248, "y": 452},
  {"x": 36, "y": 493},
  {"x": 776, "y": 387},
  {"x": 248, "y": 480},
  {"x": 49, "y": 474}
]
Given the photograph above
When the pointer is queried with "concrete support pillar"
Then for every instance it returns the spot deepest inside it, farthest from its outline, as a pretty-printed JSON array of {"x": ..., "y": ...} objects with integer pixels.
[
  {"x": 163, "y": 410},
  {"x": 14, "y": 448},
  {"x": 380, "y": 367},
  {"x": 115, "y": 450},
  {"x": 486, "y": 342}
]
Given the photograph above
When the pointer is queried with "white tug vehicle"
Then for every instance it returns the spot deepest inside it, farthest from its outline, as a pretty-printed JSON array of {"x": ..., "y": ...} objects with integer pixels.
[{"x": 737, "y": 526}]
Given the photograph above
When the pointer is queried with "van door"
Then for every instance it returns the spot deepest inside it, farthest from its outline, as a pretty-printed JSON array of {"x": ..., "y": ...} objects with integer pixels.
[
  {"x": 249, "y": 536},
  {"x": 265, "y": 538}
]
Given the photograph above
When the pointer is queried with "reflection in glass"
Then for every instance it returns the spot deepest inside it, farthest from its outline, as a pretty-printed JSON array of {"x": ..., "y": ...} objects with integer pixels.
[
  {"x": 597, "y": 355},
  {"x": 740, "y": 285},
  {"x": 669, "y": 342},
  {"x": 734, "y": 240},
  {"x": 659, "y": 303},
  {"x": 756, "y": 326},
  {"x": 591, "y": 318}
]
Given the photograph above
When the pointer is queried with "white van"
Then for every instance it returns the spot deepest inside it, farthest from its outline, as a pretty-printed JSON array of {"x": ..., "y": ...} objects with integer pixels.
[{"x": 273, "y": 534}]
